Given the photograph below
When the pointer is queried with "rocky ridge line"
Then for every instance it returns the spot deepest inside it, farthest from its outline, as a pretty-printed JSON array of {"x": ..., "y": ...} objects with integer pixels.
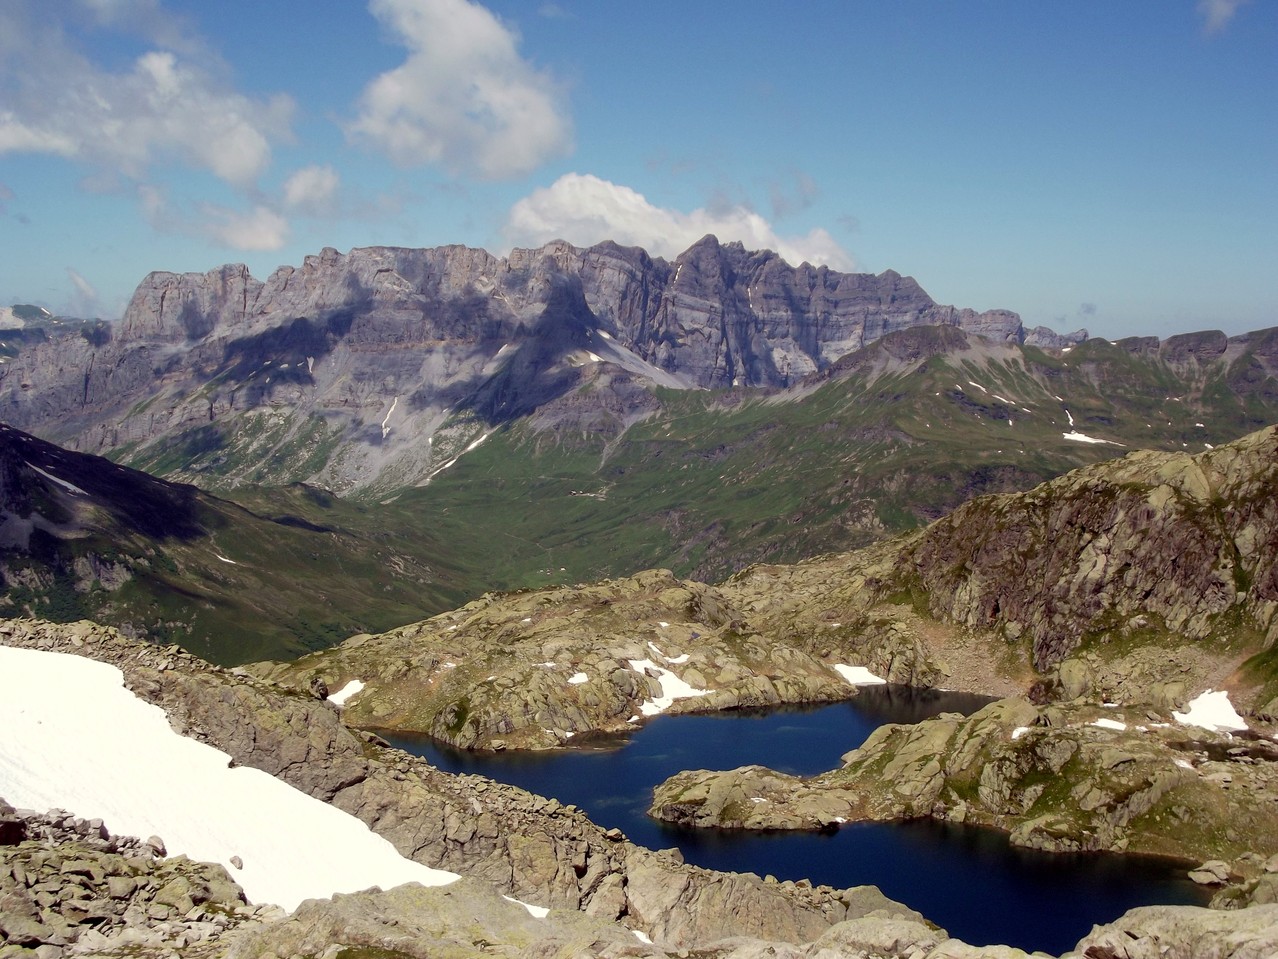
[
  {"x": 70, "y": 887},
  {"x": 375, "y": 350}
]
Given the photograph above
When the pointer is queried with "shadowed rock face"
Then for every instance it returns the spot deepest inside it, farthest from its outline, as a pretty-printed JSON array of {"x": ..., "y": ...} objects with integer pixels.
[{"x": 36, "y": 475}]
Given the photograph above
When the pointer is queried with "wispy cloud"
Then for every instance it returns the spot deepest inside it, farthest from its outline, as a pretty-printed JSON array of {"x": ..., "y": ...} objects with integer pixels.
[
  {"x": 258, "y": 228},
  {"x": 163, "y": 107},
  {"x": 85, "y": 302},
  {"x": 464, "y": 99},
  {"x": 312, "y": 190},
  {"x": 585, "y": 209},
  {"x": 792, "y": 194},
  {"x": 1216, "y": 14}
]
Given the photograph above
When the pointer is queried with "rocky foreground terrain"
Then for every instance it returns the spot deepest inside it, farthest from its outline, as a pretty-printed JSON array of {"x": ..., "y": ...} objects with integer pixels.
[{"x": 68, "y": 887}]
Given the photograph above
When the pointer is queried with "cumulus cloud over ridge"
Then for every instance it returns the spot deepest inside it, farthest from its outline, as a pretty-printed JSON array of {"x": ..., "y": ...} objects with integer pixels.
[
  {"x": 464, "y": 99},
  {"x": 584, "y": 209}
]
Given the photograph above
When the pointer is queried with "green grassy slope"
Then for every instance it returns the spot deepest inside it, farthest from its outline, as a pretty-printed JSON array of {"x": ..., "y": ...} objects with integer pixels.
[
  {"x": 283, "y": 572},
  {"x": 903, "y": 433}
]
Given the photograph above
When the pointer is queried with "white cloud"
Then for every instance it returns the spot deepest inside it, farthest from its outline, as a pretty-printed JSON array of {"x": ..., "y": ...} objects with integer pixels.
[
  {"x": 85, "y": 302},
  {"x": 259, "y": 228},
  {"x": 162, "y": 107},
  {"x": 584, "y": 209},
  {"x": 17, "y": 137},
  {"x": 1216, "y": 14},
  {"x": 464, "y": 98},
  {"x": 312, "y": 190}
]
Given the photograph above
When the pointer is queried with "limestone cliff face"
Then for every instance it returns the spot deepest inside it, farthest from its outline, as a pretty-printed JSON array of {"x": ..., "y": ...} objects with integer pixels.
[
  {"x": 1170, "y": 542},
  {"x": 344, "y": 367}
]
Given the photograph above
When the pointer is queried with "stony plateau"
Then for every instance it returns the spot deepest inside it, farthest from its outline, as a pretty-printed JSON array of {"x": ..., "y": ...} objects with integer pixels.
[{"x": 535, "y": 669}]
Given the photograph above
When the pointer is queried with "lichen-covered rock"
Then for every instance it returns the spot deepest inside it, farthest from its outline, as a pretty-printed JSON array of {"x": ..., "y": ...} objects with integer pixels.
[
  {"x": 463, "y": 919},
  {"x": 536, "y": 669},
  {"x": 73, "y": 885},
  {"x": 1058, "y": 778},
  {"x": 1143, "y": 579},
  {"x": 1184, "y": 932},
  {"x": 1152, "y": 543}
]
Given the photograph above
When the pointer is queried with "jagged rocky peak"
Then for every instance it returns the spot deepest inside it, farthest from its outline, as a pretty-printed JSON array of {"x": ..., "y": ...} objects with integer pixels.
[
  {"x": 1047, "y": 338},
  {"x": 172, "y": 307},
  {"x": 378, "y": 346},
  {"x": 766, "y": 321}
]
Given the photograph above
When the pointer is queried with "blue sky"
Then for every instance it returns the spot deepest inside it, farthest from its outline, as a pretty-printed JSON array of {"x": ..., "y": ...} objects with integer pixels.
[{"x": 1104, "y": 164}]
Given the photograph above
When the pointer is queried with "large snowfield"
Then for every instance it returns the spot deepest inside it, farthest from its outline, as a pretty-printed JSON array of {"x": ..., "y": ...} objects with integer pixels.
[{"x": 72, "y": 737}]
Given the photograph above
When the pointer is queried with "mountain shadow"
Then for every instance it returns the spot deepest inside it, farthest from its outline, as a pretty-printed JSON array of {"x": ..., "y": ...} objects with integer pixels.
[{"x": 536, "y": 373}]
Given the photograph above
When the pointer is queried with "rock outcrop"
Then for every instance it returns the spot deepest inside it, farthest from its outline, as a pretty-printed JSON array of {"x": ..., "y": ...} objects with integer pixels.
[
  {"x": 68, "y": 886},
  {"x": 535, "y": 669},
  {"x": 1154, "y": 541},
  {"x": 1145, "y": 578},
  {"x": 1062, "y": 778}
]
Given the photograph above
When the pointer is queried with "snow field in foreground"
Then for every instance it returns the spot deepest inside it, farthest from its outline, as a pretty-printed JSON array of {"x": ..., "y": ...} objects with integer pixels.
[{"x": 75, "y": 738}]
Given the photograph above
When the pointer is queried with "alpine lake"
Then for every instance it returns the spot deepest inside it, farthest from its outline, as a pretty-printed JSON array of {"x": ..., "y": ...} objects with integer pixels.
[{"x": 969, "y": 880}]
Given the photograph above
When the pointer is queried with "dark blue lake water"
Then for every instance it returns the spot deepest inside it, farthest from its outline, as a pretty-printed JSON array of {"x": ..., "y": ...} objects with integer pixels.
[{"x": 969, "y": 880}]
